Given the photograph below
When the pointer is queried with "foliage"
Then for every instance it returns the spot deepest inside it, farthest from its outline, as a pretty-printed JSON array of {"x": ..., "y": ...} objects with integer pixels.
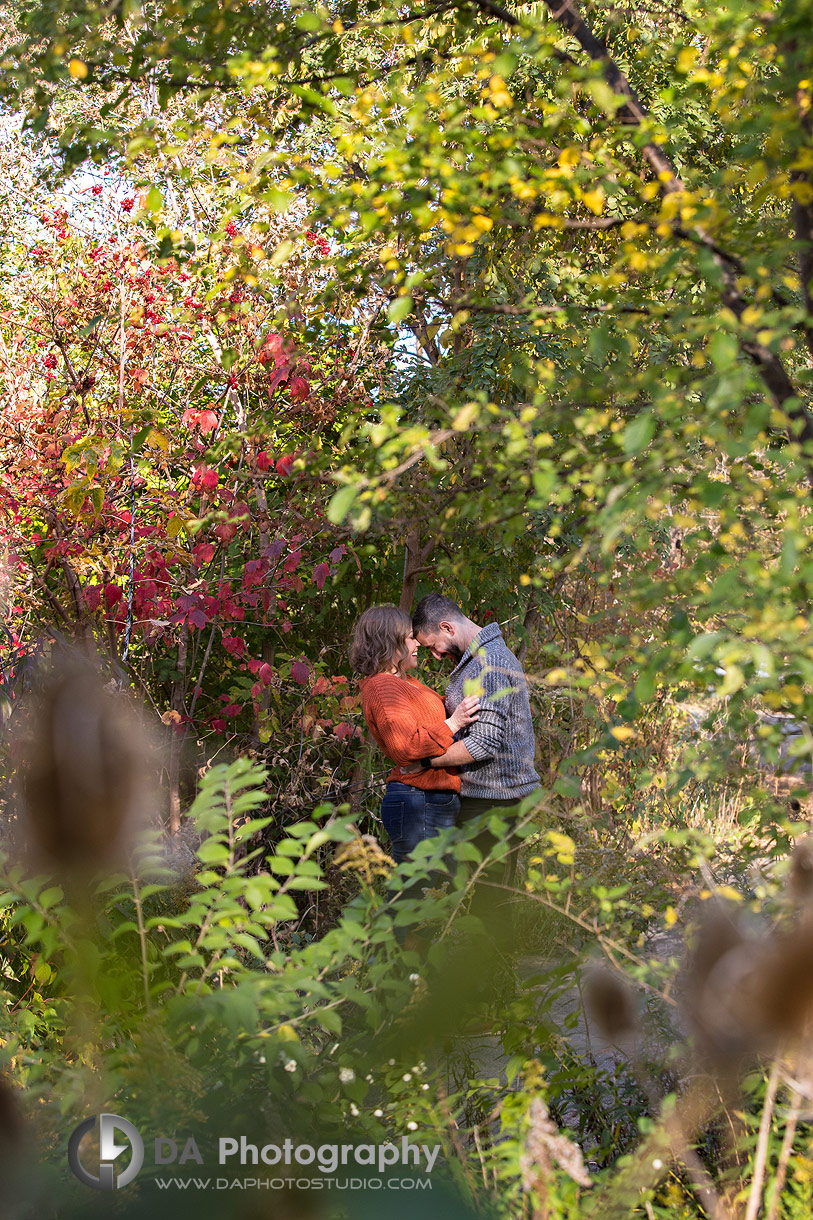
[{"x": 545, "y": 275}]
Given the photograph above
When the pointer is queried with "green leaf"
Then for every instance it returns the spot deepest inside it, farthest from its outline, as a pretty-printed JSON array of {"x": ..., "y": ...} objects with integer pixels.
[
  {"x": 341, "y": 503},
  {"x": 91, "y": 326},
  {"x": 399, "y": 309},
  {"x": 51, "y": 896},
  {"x": 638, "y": 433}
]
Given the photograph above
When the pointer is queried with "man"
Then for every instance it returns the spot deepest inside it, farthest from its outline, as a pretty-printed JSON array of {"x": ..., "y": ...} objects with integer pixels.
[{"x": 496, "y": 753}]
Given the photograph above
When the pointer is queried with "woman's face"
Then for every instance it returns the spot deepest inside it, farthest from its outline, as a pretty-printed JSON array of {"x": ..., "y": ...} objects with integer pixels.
[{"x": 411, "y": 658}]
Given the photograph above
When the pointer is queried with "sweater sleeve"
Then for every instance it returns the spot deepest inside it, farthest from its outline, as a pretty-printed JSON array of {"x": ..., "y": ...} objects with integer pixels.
[
  {"x": 403, "y": 738},
  {"x": 485, "y": 736}
]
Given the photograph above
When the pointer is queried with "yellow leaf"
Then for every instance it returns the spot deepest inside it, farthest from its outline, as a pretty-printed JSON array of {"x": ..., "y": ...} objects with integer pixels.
[
  {"x": 562, "y": 846},
  {"x": 733, "y": 680},
  {"x": 594, "y": 200},
  {"x": 623, "y": 732},
  {"x": 686, "y": 59},
  {"x": 77, "y": 69},
  {"x": 465, "y": 415}
]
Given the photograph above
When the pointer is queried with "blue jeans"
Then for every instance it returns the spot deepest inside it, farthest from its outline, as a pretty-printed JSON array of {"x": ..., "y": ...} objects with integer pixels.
[{"x": 412, "y": 814}]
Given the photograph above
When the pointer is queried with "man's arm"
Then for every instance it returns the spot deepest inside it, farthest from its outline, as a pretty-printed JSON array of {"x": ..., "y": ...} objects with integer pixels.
[
  {"x": 485, "y": 738},
  {"x": 456, "y": 756}
]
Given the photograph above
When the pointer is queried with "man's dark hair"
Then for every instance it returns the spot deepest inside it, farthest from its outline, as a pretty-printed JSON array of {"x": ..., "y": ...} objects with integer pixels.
[{"x": 433, "y": 610}]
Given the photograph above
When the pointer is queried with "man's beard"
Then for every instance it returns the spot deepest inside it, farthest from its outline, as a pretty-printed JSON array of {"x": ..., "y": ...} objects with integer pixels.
[{"x": 455, "y": 652}]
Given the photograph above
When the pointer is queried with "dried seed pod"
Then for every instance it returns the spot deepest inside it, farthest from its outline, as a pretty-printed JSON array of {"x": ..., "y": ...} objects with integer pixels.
[
  {"x": 748, "y": 994},
  {"x": 718, "y": 935},
  {"x": 800, "y": 877},
  {"x": 720, "y": 985},
  {"x": 610, "y": 1004},
  {"x": 785, "y": 994},
  {"x": 83, "y": 770},
  {"x": 15, "y": 1149},
  {"x": 11, "y": 1118},
  {"x": 544, "y": 1144}
]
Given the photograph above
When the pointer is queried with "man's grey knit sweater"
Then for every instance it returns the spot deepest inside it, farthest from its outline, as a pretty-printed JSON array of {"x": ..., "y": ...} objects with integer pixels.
[{"x": 501, "y": 741}]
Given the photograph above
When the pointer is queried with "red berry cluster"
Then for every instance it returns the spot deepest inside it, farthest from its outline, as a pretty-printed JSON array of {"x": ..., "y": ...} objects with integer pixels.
[{"x": 321, "y": 243}]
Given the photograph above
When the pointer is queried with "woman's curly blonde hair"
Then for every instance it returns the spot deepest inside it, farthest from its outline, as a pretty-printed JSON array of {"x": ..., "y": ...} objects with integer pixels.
[{"x": 379, "y": 640}]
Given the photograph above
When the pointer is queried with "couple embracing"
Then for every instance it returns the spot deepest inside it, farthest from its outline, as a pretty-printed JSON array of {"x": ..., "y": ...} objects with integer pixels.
[{"x": 457, "y": 759}]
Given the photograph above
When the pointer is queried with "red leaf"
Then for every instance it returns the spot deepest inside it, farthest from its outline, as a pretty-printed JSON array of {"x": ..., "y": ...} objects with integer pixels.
[
  {"x": 292, "y": 562},
  {"x": 204, "y": 552},
  {"x": 320, "y": 574},
  {"x": 206, "y": 421},
  {"x": 263, "y": 460},
  {"x": 205, "y": 477},
  {"x": 112, "y": 594},
  {"x": 234, "y": 645},
  {"x": 276, "y": 378},
  {"x": 232, "y": 709},
  {"x": 300, "y": 672},
  {"x": 284, "y": 464},
  {"x": 272, "y": 350},
  {"x": 299, "y": 389},
  {"x": 225, "y": 531},
  {"x": 266, "y": 674},
  {"x": 93, "y": 596},
  {"x": 197, "y": 619}
]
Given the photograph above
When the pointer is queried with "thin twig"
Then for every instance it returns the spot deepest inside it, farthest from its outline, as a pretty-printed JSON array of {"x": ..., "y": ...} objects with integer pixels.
[
  {"x": 762, "y": 1144},
  {"x": 776, "y": 1187}
]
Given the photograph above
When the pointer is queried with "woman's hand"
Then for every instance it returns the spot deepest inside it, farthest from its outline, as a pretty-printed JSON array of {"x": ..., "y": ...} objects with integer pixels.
[{"x": 465, "y": 713}]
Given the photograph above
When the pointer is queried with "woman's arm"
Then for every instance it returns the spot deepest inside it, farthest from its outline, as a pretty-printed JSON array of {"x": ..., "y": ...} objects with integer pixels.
[{"x": 403, "y": 737}]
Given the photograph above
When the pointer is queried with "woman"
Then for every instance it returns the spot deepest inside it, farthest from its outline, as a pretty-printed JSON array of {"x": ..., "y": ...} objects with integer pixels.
[{"x": 409, "y": 722}]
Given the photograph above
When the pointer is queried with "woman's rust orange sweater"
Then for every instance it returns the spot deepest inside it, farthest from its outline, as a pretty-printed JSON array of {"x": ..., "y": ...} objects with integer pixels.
[{"x": 408, "y": 720}]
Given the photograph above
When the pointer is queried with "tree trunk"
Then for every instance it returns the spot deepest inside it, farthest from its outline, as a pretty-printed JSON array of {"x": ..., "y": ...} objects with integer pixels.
[{"x": 415, "y": 557}]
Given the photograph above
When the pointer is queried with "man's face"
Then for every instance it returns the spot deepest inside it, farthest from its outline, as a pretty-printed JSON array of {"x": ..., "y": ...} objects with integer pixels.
[{"x": 443, "y": 642}]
